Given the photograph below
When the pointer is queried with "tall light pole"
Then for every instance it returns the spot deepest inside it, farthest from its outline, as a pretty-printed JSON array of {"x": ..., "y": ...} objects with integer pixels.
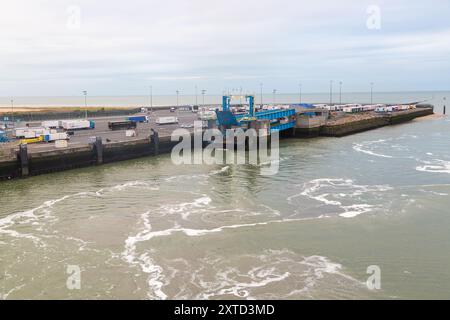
[
  {"x": 85, "y": 103},
  {"x": 12, "y": 110},
  {"x": 444, "y": 105},
  {"x": 331, "y": 92},
  {"x": 261, "y": 92},
  {"x": 196, "y": 96},
  {"x": 371, "y": 93},
  {"x": 203, "y": 97},
  {"x": 240, "y": 95},
  {"x": 178, "y": 92},
  {"x": 300, "y": 92},
  {"x": 340, "y": 92},
  {"x": 274, "y": 95},
  {"x": 151, "y": 98}
]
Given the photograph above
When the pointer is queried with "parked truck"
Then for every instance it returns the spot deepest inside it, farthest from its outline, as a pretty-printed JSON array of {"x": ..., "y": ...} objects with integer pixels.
[
  {"x": 56, "y": 136},
  {"x": 50, "y": 124},
  {"x": 77, "y": 124},
  {"x": 30, "y": 132},
  {"x": 166, "y": 120},
  {"x": 122, "y": 125},
  {"x": 138, "y": 119}
]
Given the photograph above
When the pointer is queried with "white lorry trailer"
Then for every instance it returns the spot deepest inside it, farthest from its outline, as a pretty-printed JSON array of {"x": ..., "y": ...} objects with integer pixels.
[{"x": 166, "y": 120}]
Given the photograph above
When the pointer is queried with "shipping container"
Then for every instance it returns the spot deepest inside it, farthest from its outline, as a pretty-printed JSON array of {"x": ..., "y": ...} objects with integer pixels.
[
  {"x": 122, "y": 125},
  {"x": 50, "y": 124},
  {"x": 166, "y": 120},
  {"x": 77, "y": 124},
  {"x": 30, "y": 132},
  {"x": 138, "y": 118},
  {"x": 56, "y": 136}
]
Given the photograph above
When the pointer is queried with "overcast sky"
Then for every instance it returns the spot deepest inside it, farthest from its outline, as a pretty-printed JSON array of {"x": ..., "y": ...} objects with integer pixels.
[{"x": 112, "y": 47}]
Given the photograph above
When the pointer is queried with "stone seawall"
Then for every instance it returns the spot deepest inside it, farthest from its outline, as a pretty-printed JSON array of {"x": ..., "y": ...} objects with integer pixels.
[
  {"x": 83, "y": 156},
  {"x": 339, "y": 130},
  {"x": 343, "y": 128}
]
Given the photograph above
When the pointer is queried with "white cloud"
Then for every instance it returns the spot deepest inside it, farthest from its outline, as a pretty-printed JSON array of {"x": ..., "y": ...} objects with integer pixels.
[{"x": 121, "y": 47}]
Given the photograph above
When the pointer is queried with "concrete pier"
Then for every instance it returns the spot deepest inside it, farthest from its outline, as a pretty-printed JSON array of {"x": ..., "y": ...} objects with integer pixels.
[{"x": 26, "y": 162}]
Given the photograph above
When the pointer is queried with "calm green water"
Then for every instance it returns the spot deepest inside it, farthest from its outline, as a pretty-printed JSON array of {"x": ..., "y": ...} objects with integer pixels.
[{"x": 150, "y": 229}]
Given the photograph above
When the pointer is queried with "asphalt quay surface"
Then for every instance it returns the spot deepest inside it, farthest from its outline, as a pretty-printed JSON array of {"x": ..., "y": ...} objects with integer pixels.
[{"x": 143, "y": 130}]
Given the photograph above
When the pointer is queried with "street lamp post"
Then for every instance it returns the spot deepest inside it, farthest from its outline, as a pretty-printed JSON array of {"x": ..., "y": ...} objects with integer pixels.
[
  {"x": 300, "y": 92},
  {"x": 331, "y": 92},
  {"x": 151, "y": 98},
  {"x": 340, "y": 92},
  {"x": 196, "y": 96},
  {"x": 371, "y": 93},
  {"x": 444, "y": 104},
  {"x": 261, "y": 92},
  {"x": 203, "y": 96},
  {"x": 12, "y": 110},
  {"x": 274, "y": 96},
  {"x": 85, "y": 103}
]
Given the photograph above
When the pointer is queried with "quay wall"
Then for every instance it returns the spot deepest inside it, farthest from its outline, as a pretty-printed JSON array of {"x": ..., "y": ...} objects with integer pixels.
[
  {"x": 25, "y": 163},
  {"x": 340, "y": 130},
  {"x": 83, "y": 156}
]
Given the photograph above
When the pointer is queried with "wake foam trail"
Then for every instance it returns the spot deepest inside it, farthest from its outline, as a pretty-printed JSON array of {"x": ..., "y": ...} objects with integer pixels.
[
  {"x": 155, "y": 278},
  {"x": 144, "y": 261},
  {"x": 339, "y": 192},
  {"x": 34, "y": 215},
  {"x": 186, "y": 208},
  {"x": 364, "y": 147},
  {"x": 272, "y": 274},
  {"x": 434, "y": 166}
]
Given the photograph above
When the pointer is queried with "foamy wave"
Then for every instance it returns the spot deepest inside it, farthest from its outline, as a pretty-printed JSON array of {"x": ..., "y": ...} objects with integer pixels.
[
  {"x": 435, "y": 166},
  {"x": 186, "y": 208},
  {"x": 156, "y": 278},
  {"x": 364, "y": 147},
  {"x": 273, "y": 274},
  {"x": 34, "y": 215},
  {"x": 222, "y": 170},
  {"x": 338, "y": 192}
]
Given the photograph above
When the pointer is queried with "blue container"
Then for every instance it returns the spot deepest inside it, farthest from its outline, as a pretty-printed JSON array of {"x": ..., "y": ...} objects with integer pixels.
[{"x": 138, "y": 119}]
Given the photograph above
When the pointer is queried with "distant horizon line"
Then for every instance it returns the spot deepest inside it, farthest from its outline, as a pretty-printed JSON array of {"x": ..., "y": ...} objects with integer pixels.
[{"x": 220, "y": 94}]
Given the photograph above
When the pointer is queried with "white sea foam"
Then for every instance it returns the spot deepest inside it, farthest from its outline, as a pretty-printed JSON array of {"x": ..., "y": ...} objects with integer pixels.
[
  {"x": 155, "y": 278},
  {"x": 35, "y": 215},
  {"x": 186, "y": 208},
  {"x": 269, "y": 275},
  {"x": 338, "y": 192},
  {"x": 222, "y": 170},
  {"x": 356, "y": 209},
  {"x": 435, "y": 166},
  {"x": 365, "y": 147}
]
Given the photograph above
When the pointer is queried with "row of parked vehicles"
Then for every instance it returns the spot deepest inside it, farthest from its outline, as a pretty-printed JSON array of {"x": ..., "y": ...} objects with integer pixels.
[
  {"x": 52, "y": 130},
  {"x": 131, "y": 122}
]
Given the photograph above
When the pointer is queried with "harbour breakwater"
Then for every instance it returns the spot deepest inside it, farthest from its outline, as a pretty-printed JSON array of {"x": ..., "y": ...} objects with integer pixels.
[
  {"x": 21, "y": 163},
  {"x": 358, "y": 123}
]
